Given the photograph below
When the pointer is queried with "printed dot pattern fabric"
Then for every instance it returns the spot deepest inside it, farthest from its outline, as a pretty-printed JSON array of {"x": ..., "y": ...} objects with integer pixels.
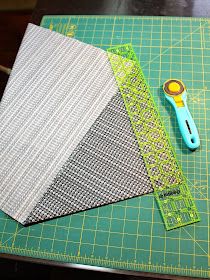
[{"x": 105, "y": 167}]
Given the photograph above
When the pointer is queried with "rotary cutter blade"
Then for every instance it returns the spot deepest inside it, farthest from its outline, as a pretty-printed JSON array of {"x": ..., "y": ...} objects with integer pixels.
[{"x": 176, "y": 94}]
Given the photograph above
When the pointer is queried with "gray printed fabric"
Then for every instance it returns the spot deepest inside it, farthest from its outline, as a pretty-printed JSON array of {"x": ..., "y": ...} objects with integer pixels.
[
  {"x": 105, "y": 167},
  {"x": 66, "y": 143}
]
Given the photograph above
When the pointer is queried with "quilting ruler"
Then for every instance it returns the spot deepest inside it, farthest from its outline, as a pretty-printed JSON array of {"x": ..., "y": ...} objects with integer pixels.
[
  {"x": 171, "y": 191},
  {"x": 130, "y": 235}
]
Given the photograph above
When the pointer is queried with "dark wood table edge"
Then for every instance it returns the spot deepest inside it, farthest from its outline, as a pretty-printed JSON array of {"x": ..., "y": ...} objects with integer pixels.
[{"x": 94, "y": 268}]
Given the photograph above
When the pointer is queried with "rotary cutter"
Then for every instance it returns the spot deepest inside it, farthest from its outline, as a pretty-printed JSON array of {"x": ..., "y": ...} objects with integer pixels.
[{"x": 176, "y": 94}]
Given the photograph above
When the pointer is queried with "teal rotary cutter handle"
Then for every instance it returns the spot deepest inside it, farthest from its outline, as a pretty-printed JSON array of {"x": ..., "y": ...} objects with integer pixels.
[{"x": 175, "y": 93}]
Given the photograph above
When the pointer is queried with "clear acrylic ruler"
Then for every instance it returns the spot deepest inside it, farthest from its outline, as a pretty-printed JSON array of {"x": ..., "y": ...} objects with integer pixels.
[{"x": 171, "y": 191}]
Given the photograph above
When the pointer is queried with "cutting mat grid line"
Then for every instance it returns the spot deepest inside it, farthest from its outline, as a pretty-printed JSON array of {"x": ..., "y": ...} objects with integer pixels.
[
  {"x": 153, "y": 203},
  {"x": 130, "y": 234}
]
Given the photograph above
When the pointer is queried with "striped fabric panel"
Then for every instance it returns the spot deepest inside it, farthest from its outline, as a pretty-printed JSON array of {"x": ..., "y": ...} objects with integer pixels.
[{"x": 57, "y": 89}]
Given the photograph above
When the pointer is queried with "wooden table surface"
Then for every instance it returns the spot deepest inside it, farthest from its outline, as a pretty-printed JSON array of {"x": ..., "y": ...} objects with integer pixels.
[{"x": 196, "y": 8}]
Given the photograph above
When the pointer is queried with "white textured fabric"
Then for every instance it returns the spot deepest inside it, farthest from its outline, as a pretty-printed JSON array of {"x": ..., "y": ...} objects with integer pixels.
[{"x": 57, "y": 89}]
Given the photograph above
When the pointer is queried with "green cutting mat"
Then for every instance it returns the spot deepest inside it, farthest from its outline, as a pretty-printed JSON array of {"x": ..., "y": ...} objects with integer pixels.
[{"x": 131, "y": 234}]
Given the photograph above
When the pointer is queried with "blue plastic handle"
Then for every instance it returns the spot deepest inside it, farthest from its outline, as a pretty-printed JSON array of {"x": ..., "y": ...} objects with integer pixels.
[{"x": 186, "y": 123}]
